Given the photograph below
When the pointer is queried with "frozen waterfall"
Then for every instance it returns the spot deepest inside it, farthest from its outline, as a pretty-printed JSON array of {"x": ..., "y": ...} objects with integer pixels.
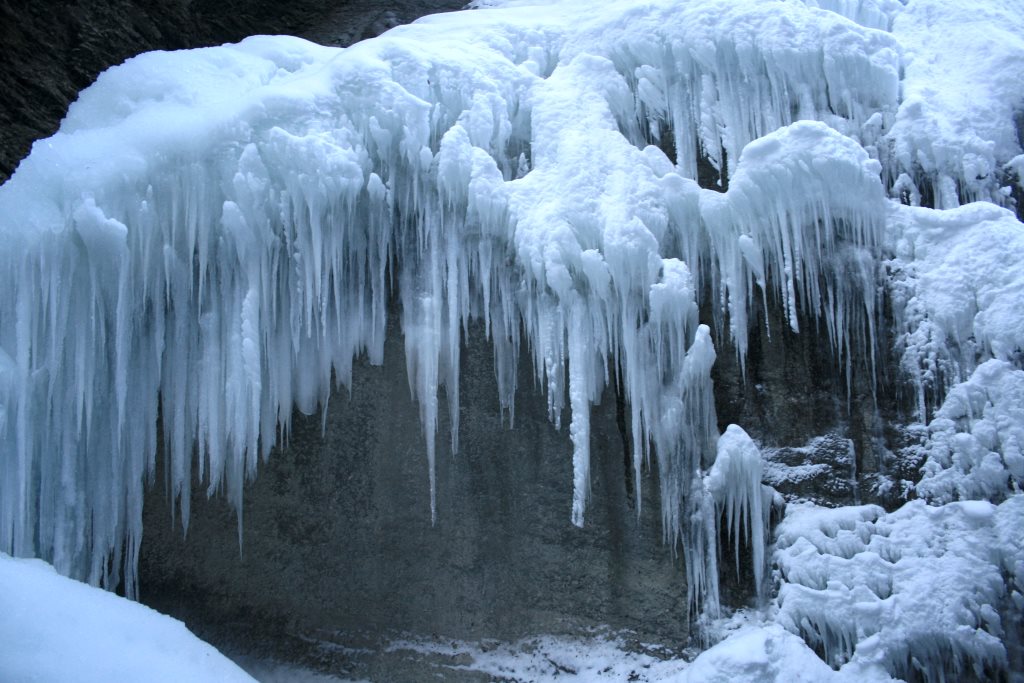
[{"x": 214, "y": 236}]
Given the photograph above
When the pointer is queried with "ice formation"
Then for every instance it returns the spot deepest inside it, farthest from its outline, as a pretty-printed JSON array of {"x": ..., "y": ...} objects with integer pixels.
[
  {"x": 213, "y": 235},
  {"x": 975, "y": 445},
  {"x": 734, "y": 484},
  {"x": 958, "y": 294},
  {"x": 954, "y": 138},
  {"x": 924, "y": 591}
]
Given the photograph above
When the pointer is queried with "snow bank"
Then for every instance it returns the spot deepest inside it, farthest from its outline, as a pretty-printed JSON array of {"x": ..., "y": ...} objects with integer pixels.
[
  {"x": 925, "y": 591},
  {"x": 54, "y": 629},
  {"x": 765, "y": 654}
]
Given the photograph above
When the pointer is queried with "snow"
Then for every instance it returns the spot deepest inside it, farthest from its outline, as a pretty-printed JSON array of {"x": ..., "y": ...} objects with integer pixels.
[
  {"x": 600, "y": 654},
  {"x": 213, "y": 235},
  {"x": 959, "y": 295},
  {"x": 975, "y": 442},
  {"x": 919, "y": 591},
  {"x": 954, "y": 130},
  {"x": 598, "y": 657},
  {"x": 761, "y": 654},
  {"x": 56, "y": 629},
  {"x": 959, "y": 308}
]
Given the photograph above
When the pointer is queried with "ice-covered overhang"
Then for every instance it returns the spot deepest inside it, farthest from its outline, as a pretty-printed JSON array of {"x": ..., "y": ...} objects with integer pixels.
[{"x": 214, "y": 233}]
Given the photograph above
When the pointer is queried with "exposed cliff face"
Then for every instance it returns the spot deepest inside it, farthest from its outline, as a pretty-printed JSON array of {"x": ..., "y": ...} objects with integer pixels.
[
  {"x": 52, "y": 50},
  {"x": 338, "y": 542},
  {"x": 793, "y": 399}
]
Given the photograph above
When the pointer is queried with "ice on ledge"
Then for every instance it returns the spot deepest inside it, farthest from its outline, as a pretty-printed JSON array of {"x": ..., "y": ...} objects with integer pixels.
[
  {"x": 214, "y": 233},
  {"x": 924, "y": 591}
]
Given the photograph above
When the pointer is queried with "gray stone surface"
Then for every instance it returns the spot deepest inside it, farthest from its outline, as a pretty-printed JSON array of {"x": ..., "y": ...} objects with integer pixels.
[
  {"x": 339, "y": 553},
  {"x": 822, "y": 471},
  {"x": 338, "y": 542}
]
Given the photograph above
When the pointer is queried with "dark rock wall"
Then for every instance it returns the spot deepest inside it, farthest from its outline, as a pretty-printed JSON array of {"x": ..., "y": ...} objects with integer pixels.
[
  {"x": 337, "y": 535},
  {"x": 794, "y": 389},
  {"x": 337, "y": 531}
]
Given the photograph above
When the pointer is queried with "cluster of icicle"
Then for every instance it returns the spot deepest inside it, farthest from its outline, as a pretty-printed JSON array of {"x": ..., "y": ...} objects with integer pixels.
[
  {"x": 215, "y": 234},
  {"x": 735, "y": 495}
]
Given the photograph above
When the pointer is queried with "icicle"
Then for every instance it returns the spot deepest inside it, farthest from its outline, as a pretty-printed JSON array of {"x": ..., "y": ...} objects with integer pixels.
[
  {"x": 579, "y": 403},
  {"x": 734, "y": 483}
]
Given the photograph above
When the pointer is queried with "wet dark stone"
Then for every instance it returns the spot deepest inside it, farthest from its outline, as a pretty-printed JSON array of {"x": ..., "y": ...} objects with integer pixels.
[
  {"x": 793, "y": 389},
  {"x": 338, "y": 539},
  {"x": 823, "y": 471}
]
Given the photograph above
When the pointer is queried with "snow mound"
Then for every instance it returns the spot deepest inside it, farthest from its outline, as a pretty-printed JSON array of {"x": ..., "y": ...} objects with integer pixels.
[
  {"x": 975, "y": 445},
  {"x": 766, "y": 654},
  {"x": 54, "y": 629},
  {"x": 924, "y": 591}
]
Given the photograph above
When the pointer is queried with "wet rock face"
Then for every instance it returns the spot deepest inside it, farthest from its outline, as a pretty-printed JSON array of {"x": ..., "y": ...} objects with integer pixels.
[
  {"x": 52, "y": 50},
  {"x": 824, "y": 438},
  {"x": 823, "y": 470},
  {"x": 338, "y": 544},
  {"x": 338, "y": 537}
]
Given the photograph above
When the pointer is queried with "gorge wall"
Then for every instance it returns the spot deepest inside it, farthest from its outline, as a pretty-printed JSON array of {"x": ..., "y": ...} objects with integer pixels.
[
  {"x": 338, "y": 542},
  {"x": 338, "y": 546}
]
